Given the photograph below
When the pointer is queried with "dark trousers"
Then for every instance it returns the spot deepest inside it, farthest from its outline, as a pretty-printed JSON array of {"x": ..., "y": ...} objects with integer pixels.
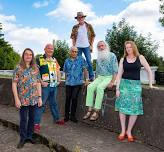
[
  {"x": 26, "y": 122},
  {"x": 72, "y": 93}
]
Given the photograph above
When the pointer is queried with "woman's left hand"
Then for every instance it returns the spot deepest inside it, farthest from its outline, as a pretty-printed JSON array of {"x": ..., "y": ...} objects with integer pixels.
[{"x": 117, "y": 93}]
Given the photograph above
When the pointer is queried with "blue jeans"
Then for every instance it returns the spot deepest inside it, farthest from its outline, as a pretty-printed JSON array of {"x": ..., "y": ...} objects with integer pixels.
[
  {"x": 48, "y": 93},
  {"x": 26, "y": 122},
  {"x": 87, "y": 54}
]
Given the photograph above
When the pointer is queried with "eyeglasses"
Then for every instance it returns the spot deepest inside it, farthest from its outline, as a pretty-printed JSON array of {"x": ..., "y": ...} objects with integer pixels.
[
  {"x": 27, "y": 54},
  {"x": 74, "y": 51}
]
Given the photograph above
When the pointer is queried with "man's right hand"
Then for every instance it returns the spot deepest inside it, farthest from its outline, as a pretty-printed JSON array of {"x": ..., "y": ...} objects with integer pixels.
[{"x": 44, "y": 84}]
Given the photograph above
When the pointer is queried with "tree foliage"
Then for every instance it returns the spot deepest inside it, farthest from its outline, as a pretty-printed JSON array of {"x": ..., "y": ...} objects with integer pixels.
[
  {"x": 161, "y": 9},
  {"x": 94, "y": 64},
  {"x": 118, "y": 34},
  {"x": 61, "y": 52},
  {"x": 8, "y": 57}
]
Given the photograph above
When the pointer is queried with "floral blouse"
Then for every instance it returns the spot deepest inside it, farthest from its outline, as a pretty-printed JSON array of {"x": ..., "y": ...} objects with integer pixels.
[{"x": 27, "y": 80}]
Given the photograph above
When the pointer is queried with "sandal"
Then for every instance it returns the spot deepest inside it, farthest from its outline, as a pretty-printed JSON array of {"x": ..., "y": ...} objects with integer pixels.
[
  {"x": 94, "y": 116},
  {"x": 130, "y": 138},
  {"x": 121, "y": 137},
  {"x": 87, "y": 115}
]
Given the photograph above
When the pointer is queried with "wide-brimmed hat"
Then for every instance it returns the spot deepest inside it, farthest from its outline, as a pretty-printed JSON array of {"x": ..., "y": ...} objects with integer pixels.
[{"x": 80, "y": 14}]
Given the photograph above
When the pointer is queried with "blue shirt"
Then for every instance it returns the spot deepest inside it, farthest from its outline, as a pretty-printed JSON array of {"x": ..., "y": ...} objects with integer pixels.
[
  {"x": 108, "y": 66},
  {"x": 74, "y": 70}
]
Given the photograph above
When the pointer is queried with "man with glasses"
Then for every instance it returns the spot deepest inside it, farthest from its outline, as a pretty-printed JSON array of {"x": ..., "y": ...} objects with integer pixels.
[
  {"x": 74, "y": 67},
  {"x": 83, "y": 37}
]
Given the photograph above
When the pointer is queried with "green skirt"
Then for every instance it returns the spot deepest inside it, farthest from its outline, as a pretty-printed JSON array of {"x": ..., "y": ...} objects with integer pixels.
[{"x": 130, "y": 101}]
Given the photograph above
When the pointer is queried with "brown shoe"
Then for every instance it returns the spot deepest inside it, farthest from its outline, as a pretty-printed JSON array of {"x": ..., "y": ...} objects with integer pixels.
[
  {"x": 94, "y": 116},
  {"x": 87, "y": 115}
]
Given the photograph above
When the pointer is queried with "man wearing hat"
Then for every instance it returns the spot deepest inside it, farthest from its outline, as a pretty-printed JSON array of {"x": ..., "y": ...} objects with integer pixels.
[{"x": 83, "y": 37}]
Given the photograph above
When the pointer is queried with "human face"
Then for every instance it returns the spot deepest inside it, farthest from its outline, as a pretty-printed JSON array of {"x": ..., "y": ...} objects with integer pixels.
[
  {"x": 73, "y": 53},
  {"x": 101, "y": 46},
  {"x": 28, "y": 56},
  {"x": 49, "y": 50},
  {"x": 129, "y": 49},
  {"x": 80, "y": 19}
]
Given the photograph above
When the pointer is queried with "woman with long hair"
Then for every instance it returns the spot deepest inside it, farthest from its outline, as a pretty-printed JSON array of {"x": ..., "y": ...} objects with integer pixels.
[
  {"x": 128, "y": 88},
  {"x": 26, "y": 88}
]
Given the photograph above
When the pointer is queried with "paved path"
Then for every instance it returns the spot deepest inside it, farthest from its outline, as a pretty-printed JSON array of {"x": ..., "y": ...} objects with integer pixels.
[
  {"x": 9, "y": 139},
  {"x": 78, "y": 137}
]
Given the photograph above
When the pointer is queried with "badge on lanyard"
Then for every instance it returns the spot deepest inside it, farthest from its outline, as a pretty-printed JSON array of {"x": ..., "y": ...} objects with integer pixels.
[{"x": 45, "y": 77}]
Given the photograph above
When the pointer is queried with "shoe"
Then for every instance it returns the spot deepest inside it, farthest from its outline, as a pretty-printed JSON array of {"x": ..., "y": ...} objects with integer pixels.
[
  {"x": 73, "y": 119},
  {"x": 37, "y": 128},
  {"x": 121, "y": 137},
  {"x": 66, "y": 119},
  {"x": 130, "y": 138},
  {"x": 87, "y": 115},
  {"x": 21, "y": 144},
  {"x": 32, "y": 141},
  {"x": 60, "y": 122},
  {"x": 94, "y": 116}
]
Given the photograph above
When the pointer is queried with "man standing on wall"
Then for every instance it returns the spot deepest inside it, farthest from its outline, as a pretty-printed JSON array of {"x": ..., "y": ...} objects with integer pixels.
[{"x": 83, "y": 37}]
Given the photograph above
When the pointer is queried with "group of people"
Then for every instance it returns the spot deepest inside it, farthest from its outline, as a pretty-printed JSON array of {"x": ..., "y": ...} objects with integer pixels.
[{"x": 34, "y": 83}]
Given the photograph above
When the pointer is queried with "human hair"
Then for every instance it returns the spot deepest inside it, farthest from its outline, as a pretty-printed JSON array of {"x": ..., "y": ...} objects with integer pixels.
[
  {"x": 73, "y": 48},
  {"x": 22, "y": 62},
  {"x": 107, "y": 46},
  {"x": 134, "y": 47}
]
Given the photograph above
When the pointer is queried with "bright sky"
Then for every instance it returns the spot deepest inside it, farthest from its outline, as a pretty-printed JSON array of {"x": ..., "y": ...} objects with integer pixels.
[{"x": 32, "y": 23}]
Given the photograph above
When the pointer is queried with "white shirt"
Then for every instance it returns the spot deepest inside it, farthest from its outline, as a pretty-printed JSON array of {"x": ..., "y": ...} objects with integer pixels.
[{"x": 82, "y": 37}]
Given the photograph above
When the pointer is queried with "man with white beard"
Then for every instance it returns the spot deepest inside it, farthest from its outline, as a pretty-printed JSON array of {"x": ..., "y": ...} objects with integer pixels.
[{"x": 106, "y": 71}]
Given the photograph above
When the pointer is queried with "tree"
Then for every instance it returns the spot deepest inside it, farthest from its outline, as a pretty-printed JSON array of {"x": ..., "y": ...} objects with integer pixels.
[
  {"x": 94, "y": 64},
  {"x": 161, "y": 9},
  {"x": 1, "y": 30},
  {"x": 123, "y": 32},
  {"x": 61, "y": 52},
  {"x": 8, "y": 57},
  {"x": 161, "y": 64}
]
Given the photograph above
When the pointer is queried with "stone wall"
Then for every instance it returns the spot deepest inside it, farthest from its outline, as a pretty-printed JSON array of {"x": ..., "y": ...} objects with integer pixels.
[{"x": 148, "y": 129}]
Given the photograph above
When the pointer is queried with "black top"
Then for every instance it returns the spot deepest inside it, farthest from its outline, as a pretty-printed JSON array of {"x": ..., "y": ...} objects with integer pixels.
[{"x": 131, "y": 70}]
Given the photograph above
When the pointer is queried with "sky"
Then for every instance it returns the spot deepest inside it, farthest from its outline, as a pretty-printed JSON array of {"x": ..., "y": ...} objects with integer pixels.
[{"x": 33, "y": 23}]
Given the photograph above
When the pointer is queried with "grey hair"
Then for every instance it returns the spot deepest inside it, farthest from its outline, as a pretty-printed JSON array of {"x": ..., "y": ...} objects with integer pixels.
[
  {"x": 107, "y": 46},
  {"x": 73, "y": 48}
]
